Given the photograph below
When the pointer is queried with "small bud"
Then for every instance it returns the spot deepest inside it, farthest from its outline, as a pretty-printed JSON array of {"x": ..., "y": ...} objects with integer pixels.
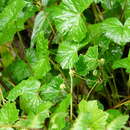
[
  {"x": 62, "y": 86},
  {"x": 95, "y": 72},
  {"x": 102, "y": 61},
  {"x": 71, "y": 72}
]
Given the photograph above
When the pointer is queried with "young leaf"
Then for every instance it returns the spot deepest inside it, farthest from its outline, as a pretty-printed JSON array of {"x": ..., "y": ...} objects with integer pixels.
[
  {"x": 113, "y": 113},
  {"x": 117, "y": 123},
  {"x": 88, "y": 61},
  {"x": 67, "y": 54},
  {"x": 116, "y": 31},
  {"x": 90, "y": 117},
  {"x": 69, "y": 20},
  {"x": 8, "y": 114}
]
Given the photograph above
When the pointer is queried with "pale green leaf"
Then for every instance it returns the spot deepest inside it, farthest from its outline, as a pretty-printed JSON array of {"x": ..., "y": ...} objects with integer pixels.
[
  {"x": 8, "y": 114},
  {"x": 90, "y": 117},
  {"x": 113, "y": 113},
  {"x": 118, "y": 123}
]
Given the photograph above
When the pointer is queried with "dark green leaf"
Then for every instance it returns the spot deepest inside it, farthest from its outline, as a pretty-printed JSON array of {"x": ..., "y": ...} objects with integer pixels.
[{"x": 88, "y": 62}]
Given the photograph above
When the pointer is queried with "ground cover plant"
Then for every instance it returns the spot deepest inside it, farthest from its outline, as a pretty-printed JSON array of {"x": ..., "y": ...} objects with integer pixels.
[{"x": 64, "y": 64}]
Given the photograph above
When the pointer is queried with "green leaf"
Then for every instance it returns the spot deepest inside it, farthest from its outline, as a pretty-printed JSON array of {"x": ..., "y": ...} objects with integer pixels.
[
  {"x": 52, "y": 91},
  {"x": 67, "y": 54},
  {"x": 123, "y": 63},
  {"x": 58, "y": 121},
  {"x": 18, "y": 70},
  {"x": 127, "y": 9},
  {"x": 25, "y": 87},
  {"x": 6, "y": 55},
  {"x": 9, "y": 20},
  {"x": 90, "y": 117},
  {"x": 13, "y": 17},
  {"x": 63, "y": 106},
  {"x": 88, "y": 62},
  {"x": 8, "y": 114},
  {"x": 69, "y": 20},
  {"x": 6, "y": 128},
  {"x": 113, "y": 113},
  {"x": 45, "y": 2},
  {"x": 36, "y": 120},
  {"x": 118, "y": 123},
  {"x": 116, "y": 31},
  {"x": 39, "y": 25},
  {"x": 39, "y": 59},
  {"x": 30, "y": 102},
  {"x": 28, "y": 90}
]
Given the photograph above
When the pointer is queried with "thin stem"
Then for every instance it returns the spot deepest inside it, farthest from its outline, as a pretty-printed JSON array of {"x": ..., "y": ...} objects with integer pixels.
[
  {"x": 21, "y": 41},
  {"x": 58, "y": 68},
  {"x": 91, "y": 90},
  {"x": 115, "y": 88},
  {"x": 123, "y": 11},
  {"x": 120, "y": 104},
  {"x": 2, "y": 97},
  {"x": 128, "y": 84},
  {"x": 71, "y": 92},
  {"x": 80, "y": 77},
  {"x": 11, "y": 83},
  {"x": 97, "y": 13},
  {"x": 24, "y": 57}
]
